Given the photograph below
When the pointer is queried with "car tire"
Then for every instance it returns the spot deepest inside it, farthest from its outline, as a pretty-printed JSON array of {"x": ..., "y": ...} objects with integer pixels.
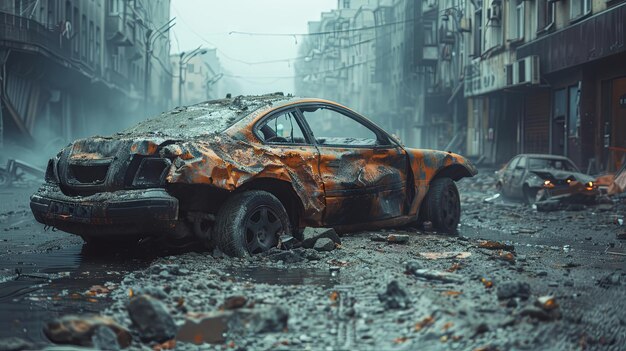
[
  {"x": 530, "y": 195},
  {"x": 250, "y": 222},
  {"x": 442, "y": 206}
]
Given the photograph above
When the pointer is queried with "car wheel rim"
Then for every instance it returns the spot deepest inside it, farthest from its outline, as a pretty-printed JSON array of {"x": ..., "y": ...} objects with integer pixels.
[
  {"x": 450, "y": 208},
  {"x": 262, "y": 229}
]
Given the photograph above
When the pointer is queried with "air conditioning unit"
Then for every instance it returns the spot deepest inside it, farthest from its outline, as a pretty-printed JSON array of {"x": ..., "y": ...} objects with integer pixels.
[{"x": 526, "y": 71}]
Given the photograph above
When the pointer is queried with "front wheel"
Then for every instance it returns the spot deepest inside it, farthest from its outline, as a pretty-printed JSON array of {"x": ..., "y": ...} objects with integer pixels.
[
  {"x": 442, "y": 205},
  {"x": 250, "y": 223}
]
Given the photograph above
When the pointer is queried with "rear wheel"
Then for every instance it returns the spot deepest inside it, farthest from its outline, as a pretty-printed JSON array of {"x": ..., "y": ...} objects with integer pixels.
[
  {"x": 250, "y": 223},
  {"x": 442, "y": 205},
  {"x": 530, "y": 195}
]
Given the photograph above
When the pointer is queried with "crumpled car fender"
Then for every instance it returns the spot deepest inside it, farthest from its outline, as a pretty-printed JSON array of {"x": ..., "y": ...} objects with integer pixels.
[
  {"x": 429, "y": 164},
  {"x": 228, "y": 164}
]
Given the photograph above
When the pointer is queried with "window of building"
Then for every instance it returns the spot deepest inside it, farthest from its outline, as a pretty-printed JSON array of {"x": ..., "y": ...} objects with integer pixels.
[
  {"x": 98, "y": 49},
  {"x": 478, "y": 32},
  {"x": 91, "y": 41},
  {"x": 516, "y": 20},
  {"x": 50, "y": 18},
  {"x": 83, "y": 36},
  {"x": 545, "y": 15},
  {"x": 573, "y": 120},
  {"x": 75, "y": 42},
  {"x": 579, "y": 8},
  {"x": 346, "y": 4},
  {"x": 190, "y": 85},
  {"x": 116, "y": 6},
  {"x": 190, "y": 68}
]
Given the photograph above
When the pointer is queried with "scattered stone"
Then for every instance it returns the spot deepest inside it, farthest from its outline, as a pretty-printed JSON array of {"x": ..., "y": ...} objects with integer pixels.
[
  {"x": 151, "y": 290},
  {"x": 79, "y": 330},
  {"x": 391, "y": 238},
  {"x": 431, "y": 274},
  {"x": 621, "y": 236},
  {"x": 105, "y": 339},
  {"x": 215, "y": 327},
  {"x": 324, "y": 244},
  {"x": 508, "y": 290},
  {"x": 539, "y": 313},
  {"x": 612, "y": 279},
  {"x": 287, "y": 242},
  {"x": 287, "y": 256},
  {"x": 15, "y": 344},
  {"x": 548, "y": 205},
  {"x": 151, "y": 318},
  {"x": 495, "y": 245},
  {"x": 311, "y": 235},
  {"x": 234, "y": 302},
  {"x": 395, "y": 297}
]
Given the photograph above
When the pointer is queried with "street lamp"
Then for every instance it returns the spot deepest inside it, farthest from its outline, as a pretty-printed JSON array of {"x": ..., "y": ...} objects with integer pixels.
[
  {"x": 150, "y": 39},
  {"x": 183, "y": 58}
]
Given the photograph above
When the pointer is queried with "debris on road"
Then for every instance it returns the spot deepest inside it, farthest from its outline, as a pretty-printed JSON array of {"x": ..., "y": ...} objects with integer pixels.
[
  {"x": 391, "y": 238},
  {"x": 413, "y": 268},
  {"x": 445, "y": 255},
  {"x": 509, "y": 290},
  {"x": 311, "y": 235},
  {"x": 495, "y": 245},
  {"x": 324, "y": 245},
  {"x": 79, "y": 330},
  {"x": 395, "y": 296},
  {"x": 151, "y": 319}
]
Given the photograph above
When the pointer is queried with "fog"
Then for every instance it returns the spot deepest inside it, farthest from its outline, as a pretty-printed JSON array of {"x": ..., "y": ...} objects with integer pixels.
[{"x": 208, "y": 23}]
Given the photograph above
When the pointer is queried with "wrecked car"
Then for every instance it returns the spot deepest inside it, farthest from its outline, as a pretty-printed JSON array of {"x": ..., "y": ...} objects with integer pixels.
[
  {"x": 534, "y": 177},
  {"x": 238, "y": 173}
]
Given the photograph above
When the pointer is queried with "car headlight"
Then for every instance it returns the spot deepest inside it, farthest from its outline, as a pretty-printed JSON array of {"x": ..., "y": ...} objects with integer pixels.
[
  {"x": 151, "y": 172},
  {"x": 589, "y": 185},
  {"x": 51, "y": 175},
  {"x": 548, "y": 184}
]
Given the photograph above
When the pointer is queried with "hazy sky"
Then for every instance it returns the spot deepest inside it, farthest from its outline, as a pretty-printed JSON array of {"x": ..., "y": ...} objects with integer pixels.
[{"x": 208, "y": 23}]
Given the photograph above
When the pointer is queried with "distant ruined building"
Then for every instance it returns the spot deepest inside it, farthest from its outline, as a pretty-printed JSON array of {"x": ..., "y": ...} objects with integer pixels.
[
  {"x": 487, "y": 78},
  {"x": 72, "y": 68}
]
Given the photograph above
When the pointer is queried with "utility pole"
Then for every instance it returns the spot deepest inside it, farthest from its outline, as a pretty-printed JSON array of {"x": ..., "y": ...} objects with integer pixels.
[{"x": 146, "y": 72}]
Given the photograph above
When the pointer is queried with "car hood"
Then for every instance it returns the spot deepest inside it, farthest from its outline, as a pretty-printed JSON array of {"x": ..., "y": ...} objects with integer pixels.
[{"x": 553, "y": 174}]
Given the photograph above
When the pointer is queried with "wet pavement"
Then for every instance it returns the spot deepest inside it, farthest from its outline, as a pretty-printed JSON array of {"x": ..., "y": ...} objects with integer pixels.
[{"x": 450, "y": 292}]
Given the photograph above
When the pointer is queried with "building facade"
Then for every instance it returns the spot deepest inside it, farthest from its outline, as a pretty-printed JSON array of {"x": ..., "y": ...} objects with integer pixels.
[
  {"x": 72, "y": 68},
  {"x": 487, "y": 78}
]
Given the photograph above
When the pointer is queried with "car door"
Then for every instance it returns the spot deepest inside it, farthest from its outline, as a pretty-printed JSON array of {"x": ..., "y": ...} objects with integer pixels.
[
  {"x": 283, "y": 132},
  {"x": 518, "y": 175},
  {"x": 363, "y": 171}
]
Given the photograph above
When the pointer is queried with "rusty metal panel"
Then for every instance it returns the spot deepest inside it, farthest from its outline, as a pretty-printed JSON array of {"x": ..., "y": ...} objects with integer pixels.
[{"x": 593, "y": 38}]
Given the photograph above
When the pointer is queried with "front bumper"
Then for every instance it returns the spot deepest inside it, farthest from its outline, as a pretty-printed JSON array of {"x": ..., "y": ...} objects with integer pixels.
[{"x": 139, "y": 212}]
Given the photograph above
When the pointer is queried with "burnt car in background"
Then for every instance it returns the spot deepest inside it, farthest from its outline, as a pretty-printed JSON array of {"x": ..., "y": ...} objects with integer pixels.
[
  {"x": 238, "y": 173},
  {"x": 533, "y": 177}
]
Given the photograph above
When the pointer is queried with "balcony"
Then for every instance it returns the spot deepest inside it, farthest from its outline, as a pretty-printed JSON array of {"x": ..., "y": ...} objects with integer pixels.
[
  {"x": 29, "y": 34},
  {"x": 116, "y": 30}
]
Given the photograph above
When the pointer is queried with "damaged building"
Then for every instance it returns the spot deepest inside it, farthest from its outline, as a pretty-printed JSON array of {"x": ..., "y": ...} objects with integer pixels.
[
  {"x": 73, "y": 68},
  {"x": 487, "y": 78}
]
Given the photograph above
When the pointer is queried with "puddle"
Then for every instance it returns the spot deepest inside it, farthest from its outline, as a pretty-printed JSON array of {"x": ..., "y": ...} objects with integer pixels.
[
  {"x": 287, "y": 276},
  {"x": 36, "y": 287}
]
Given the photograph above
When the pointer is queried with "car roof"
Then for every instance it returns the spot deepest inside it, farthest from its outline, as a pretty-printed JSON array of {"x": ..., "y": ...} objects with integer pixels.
[{"x": 546, "y": 156}]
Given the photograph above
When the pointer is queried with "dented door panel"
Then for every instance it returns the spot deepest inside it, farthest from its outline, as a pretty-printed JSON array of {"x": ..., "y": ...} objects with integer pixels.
[{"x": 363, "y": 185}]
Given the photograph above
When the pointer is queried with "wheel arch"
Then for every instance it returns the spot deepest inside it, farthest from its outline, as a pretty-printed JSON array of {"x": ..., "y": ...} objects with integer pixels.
[
  {"x": 454, "y": 172},
  {"x": 283, "y": 190}
]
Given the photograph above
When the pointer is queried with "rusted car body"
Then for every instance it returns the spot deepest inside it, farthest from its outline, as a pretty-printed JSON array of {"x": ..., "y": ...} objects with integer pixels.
[
  {"x": 534, "y": 177},
  {"x": 174, "y": 173}
]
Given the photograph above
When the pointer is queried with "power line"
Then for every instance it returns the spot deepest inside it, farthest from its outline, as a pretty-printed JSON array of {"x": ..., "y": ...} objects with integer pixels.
[{"x": 320, "y": 33}]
